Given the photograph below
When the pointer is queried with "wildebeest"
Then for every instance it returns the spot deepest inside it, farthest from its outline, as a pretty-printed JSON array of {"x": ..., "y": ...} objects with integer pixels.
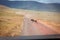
[{"x": 33, "y": 20}]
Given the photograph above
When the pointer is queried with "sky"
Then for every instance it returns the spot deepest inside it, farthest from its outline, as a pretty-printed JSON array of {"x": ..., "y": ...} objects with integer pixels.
[{"x": 43, "y": 1}]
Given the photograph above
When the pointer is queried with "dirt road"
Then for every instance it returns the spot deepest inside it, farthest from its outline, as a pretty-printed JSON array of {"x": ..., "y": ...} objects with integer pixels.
[{"x": 33, "y": 28}]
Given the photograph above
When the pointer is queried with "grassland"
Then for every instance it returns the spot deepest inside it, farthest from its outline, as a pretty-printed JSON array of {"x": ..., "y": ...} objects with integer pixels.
[
  {"x": 10, "y": 23},
  {"x": 11, "y": 19}
]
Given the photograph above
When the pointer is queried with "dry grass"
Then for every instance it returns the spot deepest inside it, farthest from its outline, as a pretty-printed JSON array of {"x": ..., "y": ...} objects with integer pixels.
[{"x": 10, "y": 24}]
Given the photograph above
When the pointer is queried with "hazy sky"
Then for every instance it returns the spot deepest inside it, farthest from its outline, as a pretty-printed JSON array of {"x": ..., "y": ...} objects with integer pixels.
[{"x": 43, "y": 1}]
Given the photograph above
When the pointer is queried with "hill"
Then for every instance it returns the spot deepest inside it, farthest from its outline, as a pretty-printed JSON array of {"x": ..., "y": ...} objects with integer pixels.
[{"x": 32, "y": 5}]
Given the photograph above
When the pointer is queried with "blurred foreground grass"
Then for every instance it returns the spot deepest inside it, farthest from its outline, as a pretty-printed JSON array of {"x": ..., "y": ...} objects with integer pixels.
[{"x": 10, "y": 23}]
